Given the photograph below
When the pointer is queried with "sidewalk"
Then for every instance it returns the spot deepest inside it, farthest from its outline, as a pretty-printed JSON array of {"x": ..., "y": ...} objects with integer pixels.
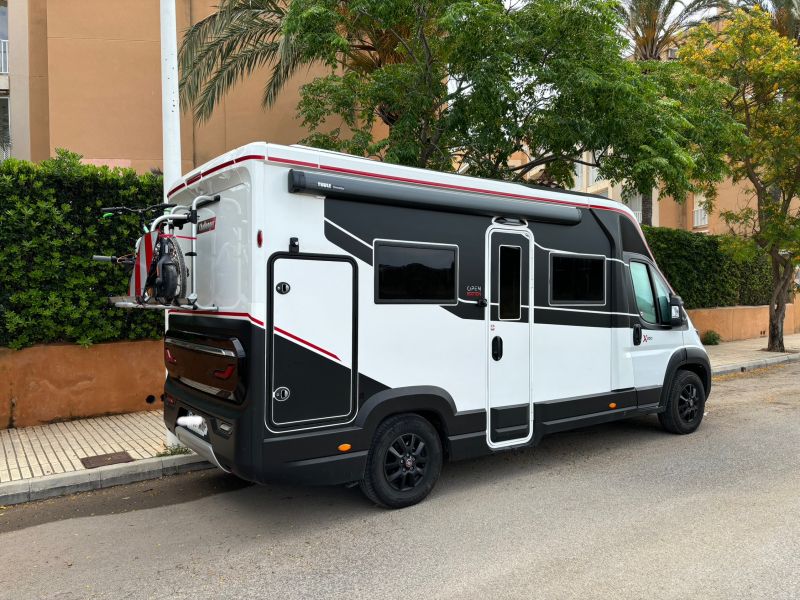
[
  {"x": 45, "y": 461},
  {"x": 745, "y": 355}
]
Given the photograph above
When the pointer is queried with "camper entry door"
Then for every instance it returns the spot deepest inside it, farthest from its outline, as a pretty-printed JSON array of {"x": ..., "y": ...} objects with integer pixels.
[{"x": 508, "y": 339}]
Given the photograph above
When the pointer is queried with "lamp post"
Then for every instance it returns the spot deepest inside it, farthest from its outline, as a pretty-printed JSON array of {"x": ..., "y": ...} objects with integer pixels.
[{"x": 170, "y": 115}]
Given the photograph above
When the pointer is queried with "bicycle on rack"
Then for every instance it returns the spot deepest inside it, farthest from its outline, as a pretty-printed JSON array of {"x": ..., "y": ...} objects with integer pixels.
[{"x": 159, "y": 272}]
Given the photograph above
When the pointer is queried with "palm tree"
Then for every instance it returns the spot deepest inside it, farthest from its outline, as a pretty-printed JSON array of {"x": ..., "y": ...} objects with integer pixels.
[
  {"x": 243, "y": 36},
  {"x": 654, "y": 27},
  {"x": 785, "y": 15}
]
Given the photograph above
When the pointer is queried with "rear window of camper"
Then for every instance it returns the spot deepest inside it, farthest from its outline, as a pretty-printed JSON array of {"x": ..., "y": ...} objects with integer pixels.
[
  {"x": 415, "y": 273},
  {"x": 577, "y": 279}
]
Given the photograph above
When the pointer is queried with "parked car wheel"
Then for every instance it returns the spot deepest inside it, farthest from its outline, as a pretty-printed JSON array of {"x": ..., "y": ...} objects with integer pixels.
[
  {"x": 686, "y": 404},
  {"x": 404, "y": 462}
]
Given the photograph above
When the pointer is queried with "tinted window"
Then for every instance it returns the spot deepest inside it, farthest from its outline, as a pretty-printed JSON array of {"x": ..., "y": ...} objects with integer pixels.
[
  {"x": 662, "y": 297},
  {"x": 577, "y": 280},
  {"x": 415, "y": 273},
  {"x": 643, "y": 291},
  {"x": 510, "y": 300}
]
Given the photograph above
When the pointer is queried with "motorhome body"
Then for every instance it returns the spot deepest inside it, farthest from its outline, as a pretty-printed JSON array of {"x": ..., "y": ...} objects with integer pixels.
[{"x": 347, "y": 301}]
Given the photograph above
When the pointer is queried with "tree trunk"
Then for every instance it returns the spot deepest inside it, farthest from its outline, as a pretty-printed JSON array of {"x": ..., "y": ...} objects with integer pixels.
[
  {"x": 647, "y": 209},
  {"x": 782, "y": 278}
]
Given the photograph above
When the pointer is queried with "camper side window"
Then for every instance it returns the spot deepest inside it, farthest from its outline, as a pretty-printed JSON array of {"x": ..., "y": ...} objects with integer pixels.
[
  {"x": 410, "y": 273},
  {"x": 576, "y": 279}
]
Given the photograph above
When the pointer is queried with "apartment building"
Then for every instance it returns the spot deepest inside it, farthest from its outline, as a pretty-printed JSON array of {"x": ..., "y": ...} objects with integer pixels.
[
  {"x": 691, "y": 215},
  {"x": 85, "y": 75}
]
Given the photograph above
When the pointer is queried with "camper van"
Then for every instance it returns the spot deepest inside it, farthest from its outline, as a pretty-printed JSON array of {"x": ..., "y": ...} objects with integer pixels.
[{"x": 349, "y": 321}]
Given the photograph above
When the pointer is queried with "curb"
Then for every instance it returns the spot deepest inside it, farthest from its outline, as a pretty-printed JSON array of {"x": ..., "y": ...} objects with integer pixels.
[
  {"x": 61, "y": 484},
  {"x": 755, "y": 364}
]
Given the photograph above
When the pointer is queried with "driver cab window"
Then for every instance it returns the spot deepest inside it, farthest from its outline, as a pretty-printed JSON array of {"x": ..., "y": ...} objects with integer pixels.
[{"x": 643, "y": 289}]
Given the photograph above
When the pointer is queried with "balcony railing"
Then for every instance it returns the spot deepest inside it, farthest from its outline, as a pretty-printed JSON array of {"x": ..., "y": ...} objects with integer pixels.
[
  {"x": 3, "y": 57},
  {"x": 638, "y": 215},
  {"x": 700, "y": 217}
]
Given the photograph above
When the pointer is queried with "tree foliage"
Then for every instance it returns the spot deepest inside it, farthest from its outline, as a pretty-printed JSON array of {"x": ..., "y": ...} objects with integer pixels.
[
  {"x": 761, "y": 70},
  {"x": 50, "y": 226},
  {"x": 508, "y": 93}
]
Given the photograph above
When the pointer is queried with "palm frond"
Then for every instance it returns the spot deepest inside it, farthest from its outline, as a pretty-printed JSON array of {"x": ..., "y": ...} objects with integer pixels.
[{"x": 218, "y": 51}]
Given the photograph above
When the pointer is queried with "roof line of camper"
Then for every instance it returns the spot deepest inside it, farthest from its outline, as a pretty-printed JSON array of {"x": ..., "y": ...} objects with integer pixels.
[{"x": 228, "y": 159}]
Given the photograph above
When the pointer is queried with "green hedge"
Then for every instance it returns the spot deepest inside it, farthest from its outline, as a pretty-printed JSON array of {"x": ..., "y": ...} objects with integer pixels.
[
  {"x": 711, "y": 270},
  {"x": 50, "y": 226}
]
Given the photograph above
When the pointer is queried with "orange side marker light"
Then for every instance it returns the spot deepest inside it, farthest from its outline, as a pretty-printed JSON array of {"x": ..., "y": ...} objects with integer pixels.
[
  {"x": 344, "y": 447},
  {"x": 612, "y": 405}
]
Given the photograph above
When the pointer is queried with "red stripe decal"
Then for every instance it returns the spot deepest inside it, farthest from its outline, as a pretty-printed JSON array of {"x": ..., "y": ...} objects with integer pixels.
[
  {"x": 217, "y": 168},
  {"x": 293, "y": 162},
  {"x": 198, "y": 176},
  {"x": 306, "y": 343},
  {"x": 175, "y": 189},
  {"x": 250, "y": 157}
]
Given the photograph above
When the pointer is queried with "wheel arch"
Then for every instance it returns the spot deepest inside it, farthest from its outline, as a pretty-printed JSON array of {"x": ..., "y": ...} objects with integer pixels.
[
  {"x": 688, "y": 358},
  {"x": 432, "y": 403}
]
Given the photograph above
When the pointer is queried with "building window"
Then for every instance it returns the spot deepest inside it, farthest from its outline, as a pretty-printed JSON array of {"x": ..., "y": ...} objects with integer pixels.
[
  {"x": 3, "y": 37},
  {"x": 699, "y": 215},
  {"x": 410, "y": 273},
  {"x": 510, "y": 284},
  {"x": 576, "y": 279},
  {"x": 635, "y": 204},
  {"x": 578, "y": 175}
]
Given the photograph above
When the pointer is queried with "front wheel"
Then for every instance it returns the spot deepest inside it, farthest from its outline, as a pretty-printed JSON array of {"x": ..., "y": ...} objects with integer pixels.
[
  {"x": 404, "y": 462},
  {"x": 686, "y": 404}
]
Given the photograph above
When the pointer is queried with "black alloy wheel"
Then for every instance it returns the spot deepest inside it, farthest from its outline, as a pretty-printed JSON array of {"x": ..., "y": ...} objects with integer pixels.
[
  {"x": 686, "y": 404},
  {"x": 403, "y": 463}
]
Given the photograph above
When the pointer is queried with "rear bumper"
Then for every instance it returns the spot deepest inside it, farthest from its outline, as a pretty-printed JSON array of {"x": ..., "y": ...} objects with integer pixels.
[
  {"x": 253, "y": 453},
  {"x": 198, "y": 445}
]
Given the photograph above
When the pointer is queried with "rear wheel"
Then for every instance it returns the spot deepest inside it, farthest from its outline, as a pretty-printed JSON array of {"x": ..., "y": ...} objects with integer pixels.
[
  {"x": 404, "y": 462},
  {"x": 685, "y": 404}
]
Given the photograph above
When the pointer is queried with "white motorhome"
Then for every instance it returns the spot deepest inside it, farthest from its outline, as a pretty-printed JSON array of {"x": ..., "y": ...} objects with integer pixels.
[{"x": 355, "y": 321}]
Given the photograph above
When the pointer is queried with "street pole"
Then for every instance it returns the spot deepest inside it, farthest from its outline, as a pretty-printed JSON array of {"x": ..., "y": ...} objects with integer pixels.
[{"x": 170, "y": 116}]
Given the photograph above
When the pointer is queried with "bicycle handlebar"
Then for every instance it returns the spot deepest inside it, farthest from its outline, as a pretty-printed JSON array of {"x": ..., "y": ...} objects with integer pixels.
[
  {"x": 110, "y": 259},
  {"x": 135, "y": 211}
]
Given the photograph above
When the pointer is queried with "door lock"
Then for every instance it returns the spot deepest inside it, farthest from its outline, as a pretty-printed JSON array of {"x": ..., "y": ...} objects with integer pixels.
[
  {"x": 281, "y": 394},
  {"x": 283, "y": 288}
]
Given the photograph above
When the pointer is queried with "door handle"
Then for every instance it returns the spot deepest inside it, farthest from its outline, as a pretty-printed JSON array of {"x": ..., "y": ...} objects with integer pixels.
[
  {"x": 637, "y": 334},
  {"x": 497, "y": 347}
]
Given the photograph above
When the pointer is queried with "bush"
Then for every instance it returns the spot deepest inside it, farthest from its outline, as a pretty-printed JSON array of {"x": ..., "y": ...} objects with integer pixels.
[
  {"x": 710, "y": 338},
  {"x": 50, "y": 226},
  {"x": 708, "y": 271}
]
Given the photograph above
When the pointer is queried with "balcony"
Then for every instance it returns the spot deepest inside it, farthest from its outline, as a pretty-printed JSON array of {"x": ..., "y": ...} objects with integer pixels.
[{"x": 3, "y": 57}]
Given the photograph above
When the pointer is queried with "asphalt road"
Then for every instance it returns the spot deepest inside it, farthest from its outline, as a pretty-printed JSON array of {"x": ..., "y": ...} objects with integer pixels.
[{"x": 619, "y": 511}]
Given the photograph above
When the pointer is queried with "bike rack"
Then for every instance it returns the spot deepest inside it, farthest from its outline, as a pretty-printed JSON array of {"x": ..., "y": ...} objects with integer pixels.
[{"x": 176, "y": 214}]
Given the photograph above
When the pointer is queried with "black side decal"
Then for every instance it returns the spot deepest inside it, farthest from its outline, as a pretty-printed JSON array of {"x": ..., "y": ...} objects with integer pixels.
[{"x": 348, "y": 243}]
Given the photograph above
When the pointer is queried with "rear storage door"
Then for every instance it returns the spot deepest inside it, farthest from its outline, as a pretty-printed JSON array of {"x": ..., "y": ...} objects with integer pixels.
[{"x": 313, "y": 340}]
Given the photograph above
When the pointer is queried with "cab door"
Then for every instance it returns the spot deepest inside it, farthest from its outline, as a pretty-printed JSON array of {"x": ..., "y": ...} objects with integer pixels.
[
  {"x": 508, "y": 341},
  {"x": 653, "y": 340}
]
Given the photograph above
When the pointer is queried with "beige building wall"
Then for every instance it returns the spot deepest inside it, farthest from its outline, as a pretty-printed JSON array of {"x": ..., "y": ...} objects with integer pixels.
[{"x": 94, "y": 87}]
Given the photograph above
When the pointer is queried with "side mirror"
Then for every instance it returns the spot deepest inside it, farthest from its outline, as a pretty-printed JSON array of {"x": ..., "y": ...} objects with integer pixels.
[{"x": 675, "y": 306}]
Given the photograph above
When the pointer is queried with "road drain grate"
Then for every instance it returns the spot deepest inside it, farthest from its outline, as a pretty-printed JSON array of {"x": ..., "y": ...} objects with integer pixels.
[{"x": 101, "y": 460}]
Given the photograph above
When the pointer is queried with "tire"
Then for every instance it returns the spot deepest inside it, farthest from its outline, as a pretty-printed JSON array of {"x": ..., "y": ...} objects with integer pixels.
[
  {"x": 404, "y": 462},
  {"x": 686, "y": 404}
]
